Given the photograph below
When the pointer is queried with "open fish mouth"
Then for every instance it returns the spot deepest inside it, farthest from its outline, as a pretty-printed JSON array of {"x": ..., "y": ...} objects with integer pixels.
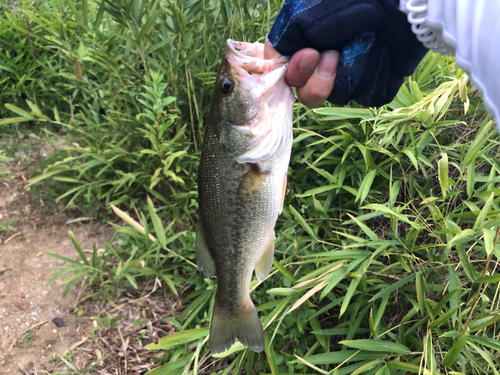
[{"x": 250, "y": 57}]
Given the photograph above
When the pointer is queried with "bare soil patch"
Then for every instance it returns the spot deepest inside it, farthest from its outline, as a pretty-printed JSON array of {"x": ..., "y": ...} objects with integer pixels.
[{"x": 28, "y": 336}]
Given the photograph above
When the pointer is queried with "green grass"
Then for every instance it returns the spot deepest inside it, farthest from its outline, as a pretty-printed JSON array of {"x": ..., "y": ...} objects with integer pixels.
[{"x": 387, "y": 248}]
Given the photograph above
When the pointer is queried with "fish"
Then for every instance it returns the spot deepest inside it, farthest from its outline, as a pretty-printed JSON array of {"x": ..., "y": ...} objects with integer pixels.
[{"x": 241, "y": 186}]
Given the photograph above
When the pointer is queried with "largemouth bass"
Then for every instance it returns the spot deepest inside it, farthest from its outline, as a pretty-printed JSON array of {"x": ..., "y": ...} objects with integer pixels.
[{"x": 241, "y": 186}]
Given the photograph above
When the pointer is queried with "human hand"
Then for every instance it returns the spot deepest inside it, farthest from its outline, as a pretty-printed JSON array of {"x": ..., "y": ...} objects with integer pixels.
[
  {"x": 376, "y": 44},
  {"x": 312, "y": 73}
]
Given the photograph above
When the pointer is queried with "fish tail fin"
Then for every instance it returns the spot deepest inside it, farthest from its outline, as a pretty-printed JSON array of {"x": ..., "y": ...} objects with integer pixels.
[{"x": 244, "y": 326}]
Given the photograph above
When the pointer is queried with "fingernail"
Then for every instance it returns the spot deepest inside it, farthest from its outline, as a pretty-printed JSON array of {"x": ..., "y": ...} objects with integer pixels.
[
  {"x": 308, "y": 63},
  {"x": 328, "y": 64}
]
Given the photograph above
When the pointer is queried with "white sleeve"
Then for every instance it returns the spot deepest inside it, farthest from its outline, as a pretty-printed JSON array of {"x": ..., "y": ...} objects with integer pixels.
[{"x": 468, "y": 29}]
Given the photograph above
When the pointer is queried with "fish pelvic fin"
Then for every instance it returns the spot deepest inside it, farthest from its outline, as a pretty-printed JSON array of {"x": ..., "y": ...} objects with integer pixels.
[
  {"x": 263, "y": 266},
  {"x": 204, "y": 259},
  {"x": 244, "y": 326}
]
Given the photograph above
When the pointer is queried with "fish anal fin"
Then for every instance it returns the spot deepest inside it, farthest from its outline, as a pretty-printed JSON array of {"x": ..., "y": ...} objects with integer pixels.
[
  {"x": 283, "y": 192},
  {"x": 204, "y": 259},
  {"x": 244, "y": 326},
  {"x": 263, "y": 266}
]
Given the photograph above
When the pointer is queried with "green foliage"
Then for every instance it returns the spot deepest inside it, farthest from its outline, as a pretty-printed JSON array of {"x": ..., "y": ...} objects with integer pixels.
[
  {"x": 386, "y": 249},
  {"x": 107, "y": 85}
]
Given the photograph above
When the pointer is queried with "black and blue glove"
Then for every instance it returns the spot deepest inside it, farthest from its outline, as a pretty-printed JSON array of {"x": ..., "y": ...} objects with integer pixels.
[{"x": 376, "y": 44}]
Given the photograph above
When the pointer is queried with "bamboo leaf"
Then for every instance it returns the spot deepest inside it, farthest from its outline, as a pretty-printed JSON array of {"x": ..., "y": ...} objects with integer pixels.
[
  {"x": 78, "y": 248},
  {"x": 365, "y": 186},
  {"x": 134, "y": 224},
  {"x": 420, "y": 285},
  {"x": 444, "y": 318},
  {"x": 19, "y": 111},
  {"x": 303, "y": 223},
  {"x": 489, "y": 237},
  {"x": 387, "y": 210},
  {"x": 483, "y": 213},
  {"x": 376, "y": 346},
  {"x": 159, "y": 229},
  {"x": 179, "y": 338},
  {"x": 388, "y": 289},
  {"x": 409, "y": 368},
  {"x": 271, "y": 355},
  {"x": 443, "y": 173},
  {"x": 452, "y": 355},
  {"x": 306, "y": 296},
  {"x": 489, "y": 279}
]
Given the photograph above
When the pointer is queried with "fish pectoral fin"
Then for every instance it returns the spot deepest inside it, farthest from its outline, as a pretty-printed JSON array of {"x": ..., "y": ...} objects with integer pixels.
[
  {"x": 204, "y": 259},
  {"x": 263, "y": 266},
  {"x": 252, "y": 183}
]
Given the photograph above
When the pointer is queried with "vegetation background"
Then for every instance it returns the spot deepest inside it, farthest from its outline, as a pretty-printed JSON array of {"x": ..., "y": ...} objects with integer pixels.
[{"x": 387, "y": 248}]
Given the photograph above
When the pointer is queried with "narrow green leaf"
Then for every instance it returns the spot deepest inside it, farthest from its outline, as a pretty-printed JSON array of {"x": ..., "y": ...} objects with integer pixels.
[
  {"x": 479, "y": 324},
  {"x": 159, "y": 229},
  {"x": 78, "y": 248},
  {"x": 452, "y": 355},
  {"x": 270, "y": 355},
  {"x": 392, "y": 287},
  {"x": 437, "y": 309},
  {"x": 376, "y": 346},
  {"x": 302, "y": 222},
  {"x": 489, "y": 279},
  {"x": 420, "y": 285},
  {"x": 339, "y": 113},
  {"x": 383, "y": 371},
  {"x": 368, "y": 366},
  {"x": 409, "y": 368},
  {"x": 387, "y": 210},
  {"x": 14, "y": 120},
  {"x": 236, "y": 347},
  {"x": 318, "y": 190},
  {"x": 365, "y": 186},
  {"x": 443, "y": 173},
  {"x": 471, "y": 179},
  {"x": 444, "y": 318},
  {"x": 483, "y": 213},
  {"x": 482, "y": 136},
  {"x": 463, "y": 236},
  {"x": 172, "y": 368},
  {"x": 486, "y": 341},
  {"x": 284, "y": 272},
  {"x": 350, "y": 291},
  {"x": 489, "y": 237},
  {"x": 364, "y": 228},
  {"x": 19, "y": 111},
  {"x": 466, "y": 264},
  {"x": 179, "y": 338}
]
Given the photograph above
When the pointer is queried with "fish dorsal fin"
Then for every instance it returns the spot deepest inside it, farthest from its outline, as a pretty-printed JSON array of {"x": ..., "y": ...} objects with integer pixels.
[
  {"x": 265, "y": 262},
  {"x": 204, "y": 259}
]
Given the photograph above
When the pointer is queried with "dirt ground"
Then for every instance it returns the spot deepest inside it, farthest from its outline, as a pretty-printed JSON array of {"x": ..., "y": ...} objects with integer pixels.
[
  {"x": 28, "y": 336},
  {"x": 38, "y": 325}
]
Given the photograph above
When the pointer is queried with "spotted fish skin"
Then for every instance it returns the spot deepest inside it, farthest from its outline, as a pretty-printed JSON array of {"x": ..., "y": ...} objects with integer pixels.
[{"x": 241, "y": 186}]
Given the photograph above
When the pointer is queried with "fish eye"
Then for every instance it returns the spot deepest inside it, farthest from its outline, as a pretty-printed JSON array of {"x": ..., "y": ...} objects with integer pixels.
[{"x": 226, "y": 85}]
